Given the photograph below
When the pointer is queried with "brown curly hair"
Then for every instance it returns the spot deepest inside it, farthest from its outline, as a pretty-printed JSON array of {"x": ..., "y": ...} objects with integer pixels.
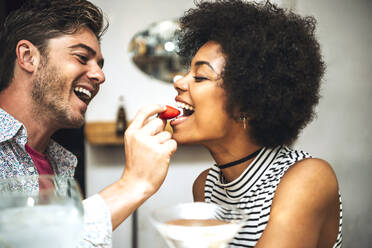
[{"x": 41, "y": 20}]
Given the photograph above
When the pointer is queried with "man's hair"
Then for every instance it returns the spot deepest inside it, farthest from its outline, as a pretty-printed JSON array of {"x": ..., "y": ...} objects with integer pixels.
[
  {"x": 273, "y": 64},
  {"x": 40, "y": 20}
]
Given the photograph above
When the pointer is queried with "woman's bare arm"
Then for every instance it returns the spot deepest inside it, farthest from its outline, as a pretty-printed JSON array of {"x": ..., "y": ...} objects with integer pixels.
[
  {"x": 305, "y": 199},
  {"x": 198, "y": 186}
]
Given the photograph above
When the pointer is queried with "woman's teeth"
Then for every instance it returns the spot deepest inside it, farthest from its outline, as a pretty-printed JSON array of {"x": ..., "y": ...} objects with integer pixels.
[
  {"x": 84, "y": 91},
  {"x": 187, "y": 109},
  {"x": 184, "y": 106}
]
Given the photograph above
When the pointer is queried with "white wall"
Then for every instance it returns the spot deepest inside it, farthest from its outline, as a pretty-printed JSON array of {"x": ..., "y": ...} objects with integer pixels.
[{"x": 341, "y": 134}]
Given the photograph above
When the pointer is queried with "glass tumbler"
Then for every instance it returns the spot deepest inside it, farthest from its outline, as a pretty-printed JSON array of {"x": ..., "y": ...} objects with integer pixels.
[{"x": 40, "y": 212}]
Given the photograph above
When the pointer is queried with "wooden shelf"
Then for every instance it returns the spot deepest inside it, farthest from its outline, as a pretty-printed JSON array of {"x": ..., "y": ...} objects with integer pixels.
[{"x": 104, "y": 133}]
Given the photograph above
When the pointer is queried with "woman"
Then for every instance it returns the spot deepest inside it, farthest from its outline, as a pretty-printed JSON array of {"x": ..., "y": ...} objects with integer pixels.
[{"x": 252, "y": 87}]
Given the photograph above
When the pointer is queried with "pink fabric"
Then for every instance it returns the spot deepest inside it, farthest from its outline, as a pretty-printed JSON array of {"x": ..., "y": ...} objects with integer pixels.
[{"x": 41, "y": 161}]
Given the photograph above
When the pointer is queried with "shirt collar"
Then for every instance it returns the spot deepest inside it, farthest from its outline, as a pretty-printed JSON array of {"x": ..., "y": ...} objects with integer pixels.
[
  {"x": 58, "y": 155},
  {"x": 61, "y": 158},
  {"x": 251, "y": 175},
  {"x": 9, "y": 126}
]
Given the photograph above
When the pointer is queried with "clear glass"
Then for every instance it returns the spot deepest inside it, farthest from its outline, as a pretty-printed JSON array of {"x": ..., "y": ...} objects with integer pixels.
[
  {"x": 40, "y": 212},
  {"x": 200, "y": 235}
]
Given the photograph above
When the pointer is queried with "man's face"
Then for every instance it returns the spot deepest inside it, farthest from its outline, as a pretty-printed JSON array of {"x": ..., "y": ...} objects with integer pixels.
[{"x": 67, "y": 79}]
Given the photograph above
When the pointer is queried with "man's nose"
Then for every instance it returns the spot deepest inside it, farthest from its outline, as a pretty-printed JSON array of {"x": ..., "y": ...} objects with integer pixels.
[{"x": 96, "y": 74}]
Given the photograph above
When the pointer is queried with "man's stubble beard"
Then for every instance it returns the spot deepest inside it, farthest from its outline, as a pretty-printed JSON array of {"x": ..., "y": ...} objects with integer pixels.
[{"x": 48, "y": 91}]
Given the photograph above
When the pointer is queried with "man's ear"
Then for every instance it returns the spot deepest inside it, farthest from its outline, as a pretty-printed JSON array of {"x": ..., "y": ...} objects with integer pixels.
[{"x": 28, "y": 56}]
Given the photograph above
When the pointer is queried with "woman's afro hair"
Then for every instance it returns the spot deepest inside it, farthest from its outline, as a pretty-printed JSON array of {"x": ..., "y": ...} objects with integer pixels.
[{"x": 273, "y": 63}]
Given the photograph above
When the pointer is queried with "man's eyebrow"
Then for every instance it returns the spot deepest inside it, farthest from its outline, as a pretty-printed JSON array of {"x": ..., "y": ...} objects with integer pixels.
[
  {"x": 200, "y": 63},
  {"x": 90, "y": 50}
]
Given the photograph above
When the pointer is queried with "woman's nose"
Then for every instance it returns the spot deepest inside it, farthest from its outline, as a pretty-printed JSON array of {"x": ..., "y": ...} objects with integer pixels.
[{"x": 181, "y": 84}]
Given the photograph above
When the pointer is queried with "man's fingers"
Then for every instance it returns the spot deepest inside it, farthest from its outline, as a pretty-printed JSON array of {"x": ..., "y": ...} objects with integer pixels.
[
  {"x": 144, "y": 113},
  {"x": 163, "y": 137},
  {"x": 151, "y": 118},
  {"x": 153, "y": 126},
  {"x": 171, "y": 146}
]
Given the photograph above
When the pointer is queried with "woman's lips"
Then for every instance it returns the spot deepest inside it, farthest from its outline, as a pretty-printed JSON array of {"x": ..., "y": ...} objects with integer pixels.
[{"x": 178, "y": 120}]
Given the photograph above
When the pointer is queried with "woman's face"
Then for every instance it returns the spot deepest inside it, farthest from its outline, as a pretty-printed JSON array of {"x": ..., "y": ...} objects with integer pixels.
[{"x": 200, "y": 91}]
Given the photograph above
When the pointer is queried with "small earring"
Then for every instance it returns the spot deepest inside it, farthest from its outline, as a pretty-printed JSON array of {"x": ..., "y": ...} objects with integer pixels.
[{"x": 244, "y": 119}]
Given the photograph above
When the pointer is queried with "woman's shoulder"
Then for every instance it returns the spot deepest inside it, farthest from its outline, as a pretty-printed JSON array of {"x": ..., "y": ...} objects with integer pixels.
[
  {"x": 311, "y": 170},
  {"x": 306, "y": 197},
  {"x": 310, "y": 181}
]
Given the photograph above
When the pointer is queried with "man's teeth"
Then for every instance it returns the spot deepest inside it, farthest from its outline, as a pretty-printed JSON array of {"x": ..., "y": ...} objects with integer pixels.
[
  {"x": 84, "y": 91},
  {"x": 184, "y": 106}
]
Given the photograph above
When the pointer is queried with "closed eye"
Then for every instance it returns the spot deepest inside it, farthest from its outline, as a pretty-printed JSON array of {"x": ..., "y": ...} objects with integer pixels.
[
  {"x": 200, "y": 79},
  {"x": 82, "y": 59}
]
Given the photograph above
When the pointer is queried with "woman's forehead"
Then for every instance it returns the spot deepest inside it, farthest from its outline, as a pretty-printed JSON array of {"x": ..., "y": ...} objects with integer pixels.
[{"x": 211, "y": 53}]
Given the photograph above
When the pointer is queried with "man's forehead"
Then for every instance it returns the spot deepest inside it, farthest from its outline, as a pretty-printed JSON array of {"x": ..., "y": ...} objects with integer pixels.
[{"x": 84, "y": 39}]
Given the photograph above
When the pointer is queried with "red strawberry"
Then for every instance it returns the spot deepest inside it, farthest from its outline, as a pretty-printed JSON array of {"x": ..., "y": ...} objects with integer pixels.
[{"x": 169, "y": 113}]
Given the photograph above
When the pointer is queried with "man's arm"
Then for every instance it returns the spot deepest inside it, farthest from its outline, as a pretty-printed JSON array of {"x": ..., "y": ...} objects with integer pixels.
[{"x": 148, "y": 149}]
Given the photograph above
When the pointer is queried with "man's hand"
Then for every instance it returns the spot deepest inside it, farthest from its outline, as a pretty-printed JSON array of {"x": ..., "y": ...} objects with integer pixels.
[{"x": 148, "y": 149}]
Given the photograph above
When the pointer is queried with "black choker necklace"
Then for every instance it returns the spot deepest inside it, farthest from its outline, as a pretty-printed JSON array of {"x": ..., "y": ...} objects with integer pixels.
[{"x": 223, "y": 166}]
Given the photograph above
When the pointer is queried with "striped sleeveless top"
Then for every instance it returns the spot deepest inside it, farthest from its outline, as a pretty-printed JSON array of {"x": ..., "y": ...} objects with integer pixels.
[{"x": 253, "y": 191}]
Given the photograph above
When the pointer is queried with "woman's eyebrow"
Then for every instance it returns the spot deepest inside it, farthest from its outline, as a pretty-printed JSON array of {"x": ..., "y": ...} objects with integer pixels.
[{"x": 200, "y": 63}]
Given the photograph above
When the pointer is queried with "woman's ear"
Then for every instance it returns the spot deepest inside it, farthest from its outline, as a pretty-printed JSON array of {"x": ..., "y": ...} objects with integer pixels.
[{"x": 28, "y": 56}]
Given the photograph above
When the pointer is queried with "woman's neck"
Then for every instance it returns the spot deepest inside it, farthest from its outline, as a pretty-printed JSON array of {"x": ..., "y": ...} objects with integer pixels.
[{"x": 230, "y": 150}]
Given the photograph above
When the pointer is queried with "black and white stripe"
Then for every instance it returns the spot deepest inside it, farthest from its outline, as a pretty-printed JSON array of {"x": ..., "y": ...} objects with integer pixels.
[{"x": 253, "y": 191}]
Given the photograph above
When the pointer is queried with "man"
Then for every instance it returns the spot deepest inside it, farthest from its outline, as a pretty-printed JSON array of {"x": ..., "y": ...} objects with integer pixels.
[{"x": 51, "y": 68}]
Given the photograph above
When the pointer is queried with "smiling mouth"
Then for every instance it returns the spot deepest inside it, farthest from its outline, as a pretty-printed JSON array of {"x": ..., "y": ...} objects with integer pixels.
[
  {"x": 83, "y": 94},
  {"x": 187, "y": 109}
]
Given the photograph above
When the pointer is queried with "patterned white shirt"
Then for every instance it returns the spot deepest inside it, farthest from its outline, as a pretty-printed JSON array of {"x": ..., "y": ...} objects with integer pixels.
[{"x": 15, "y": 161}]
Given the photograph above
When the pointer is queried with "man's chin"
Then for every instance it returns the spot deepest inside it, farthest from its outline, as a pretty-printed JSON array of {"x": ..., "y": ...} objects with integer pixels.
[
  {"x": 78, "y": 120},
  {"x": 77, "y": 123},
  {"x": 72, "y": 122}
]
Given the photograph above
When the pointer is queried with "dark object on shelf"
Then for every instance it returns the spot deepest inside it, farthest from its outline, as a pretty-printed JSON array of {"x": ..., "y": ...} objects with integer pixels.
[{"x": 121, "y": 119}]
